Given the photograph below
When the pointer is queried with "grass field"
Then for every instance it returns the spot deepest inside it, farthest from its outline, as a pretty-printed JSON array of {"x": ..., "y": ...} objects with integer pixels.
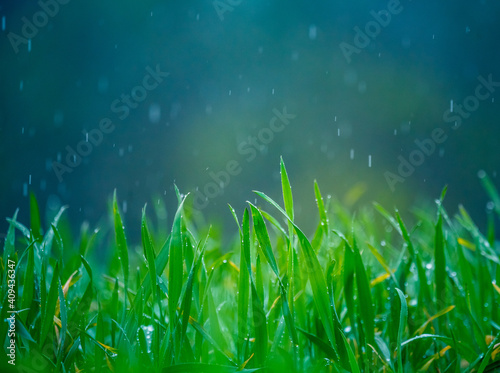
[{"x": 364, "y": 293}]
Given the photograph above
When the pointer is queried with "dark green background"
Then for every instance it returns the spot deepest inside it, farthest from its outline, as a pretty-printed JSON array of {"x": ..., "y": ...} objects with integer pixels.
[{"x": 91, "y": 52}]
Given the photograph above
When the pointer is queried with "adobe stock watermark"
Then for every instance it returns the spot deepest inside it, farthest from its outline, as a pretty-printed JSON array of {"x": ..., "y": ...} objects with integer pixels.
[
  {"x": 121, "y": 107},
  {"x": 372, "y": 29},
  {"x": 223, "y": 6},
  {"x": 40, "y": 19},
  {"x": 426, "y": 147},
  {"x": 248, "y": 147}
]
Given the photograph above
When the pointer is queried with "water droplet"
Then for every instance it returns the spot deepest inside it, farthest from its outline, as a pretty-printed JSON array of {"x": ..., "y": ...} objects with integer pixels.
[
  {"x": 313, "y": 32},
  {"x": 154, "y": 113}
]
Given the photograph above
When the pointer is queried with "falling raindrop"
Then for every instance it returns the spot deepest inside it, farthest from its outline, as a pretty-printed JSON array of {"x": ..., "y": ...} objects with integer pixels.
[
  {"x": 21, "y": 85},
  {"x": 103, "y": 84},
  {"x": 154, "y": 113},
  {"x": 313, "y": 32},
  {"x": 3, "y": 23},
  {"x": 29, "y": 45},
  {"x": 58, "y": 118},
  {"x": 369, "y": 161},
  {"x": 352, "y": 154},
  {"x": 29, "y": 180},
  {"x": 451, "y": 106}
]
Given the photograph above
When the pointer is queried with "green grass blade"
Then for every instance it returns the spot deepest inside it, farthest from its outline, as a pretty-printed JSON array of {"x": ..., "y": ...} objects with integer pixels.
[
  {"x": 382, "y": 262},
  {"x": 487, "y": 355},
  {"x": 490, "y": 189},
  {"x": 263, "y": 238},
  {"x": 321, "y": 208},
  {"x": 243, "y": 292},
  {"x": 199, "y": 328},
  {"x": 49, "y": 307},
  {"x": 352, "y": 359},
  {"x": 287, "y": 190},
  {"x": 176, "y": 265},
  {"x": 387, "y": 216},
  {"x": 440, "y": 268},
  {"x": 322, "y": 345},
  {"x": 49, "y": 235},
  {"x": 9, "y": 244},
  {"x": 121, "y": 242},
  {"x": 316, "y": 277},
  {"x": 64, "y": 322},
  {"x": 149, "y": 253},
  {"x": 29, "y": 283},
  {"x": 318, "y": 285},
  {"x": 424, "y": 292},
  {"x": 364, "y": 294},
  {"x": 403, "y": 316},
  {"x": 188, "y": 296},
  {"x": 35, "y": 224},
  {"x": 205, "y": 368}
]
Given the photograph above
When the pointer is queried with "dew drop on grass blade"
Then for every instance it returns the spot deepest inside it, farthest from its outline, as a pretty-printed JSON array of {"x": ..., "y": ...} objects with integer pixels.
[
  {"x": 403, "y": 316},
  {"x": 121, "y": 244}
]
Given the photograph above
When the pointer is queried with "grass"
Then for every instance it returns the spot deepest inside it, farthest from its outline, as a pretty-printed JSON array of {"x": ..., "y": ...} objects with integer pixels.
[{"x": 366, "y": 293}]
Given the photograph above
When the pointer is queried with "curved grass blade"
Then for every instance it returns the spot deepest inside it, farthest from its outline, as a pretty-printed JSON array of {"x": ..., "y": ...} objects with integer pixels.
[
  {"x": 403, "y": 316},
  {"x": 199, "y": 328},
  {"x": 424, "y": 293},
  {"x": 440, "y": 267},
  {"x": 205, "y": 368},
  {"x": 491, "y": 190},
  {"x": 364, "y": 295},
  {"x": 321, "y": 208},
  {"x": 49, "y": 306},
  {"x": 352, "y": 359},
  {"x": 322, "y": 345},
  {"x": 176, "y": 272},
  {"x": 316, "y": 277},
  {"x": 382, "y": 262},
  {"x": 64, "y": 322},
  {"x": 287, "y": 190},
  {"x": 121, "y": 243},
  {"x": 35, "y": 224},
  {"x": 29, "y": 283},
  {"x": 243, "y": 290},
  {"x": 263, "y": 238}
]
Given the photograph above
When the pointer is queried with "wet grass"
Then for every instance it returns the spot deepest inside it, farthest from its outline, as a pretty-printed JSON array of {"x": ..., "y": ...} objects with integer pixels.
[{"x": 364, "y": 293}]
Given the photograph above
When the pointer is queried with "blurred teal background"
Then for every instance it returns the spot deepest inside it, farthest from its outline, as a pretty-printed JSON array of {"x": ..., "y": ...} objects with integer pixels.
[{"x": 230, "y": 63}]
